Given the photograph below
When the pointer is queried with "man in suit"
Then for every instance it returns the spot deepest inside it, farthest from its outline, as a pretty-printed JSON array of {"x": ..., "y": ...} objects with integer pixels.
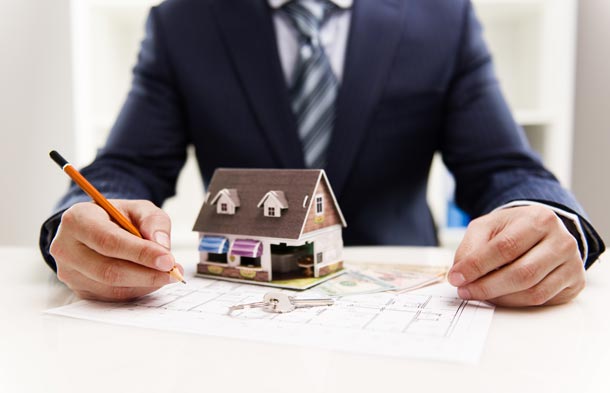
[{"x": 368, "y": 90}]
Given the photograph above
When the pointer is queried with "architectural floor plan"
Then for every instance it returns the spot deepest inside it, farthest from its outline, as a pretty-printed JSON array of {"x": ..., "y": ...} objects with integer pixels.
[{"x": 431, "y": 322}]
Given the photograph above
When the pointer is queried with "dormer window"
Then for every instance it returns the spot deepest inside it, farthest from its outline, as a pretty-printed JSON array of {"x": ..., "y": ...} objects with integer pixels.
[
  {"x": 226, "y": 201},
  {"x": 273, "y": 203},
  {"x": 319, "y": 205}
]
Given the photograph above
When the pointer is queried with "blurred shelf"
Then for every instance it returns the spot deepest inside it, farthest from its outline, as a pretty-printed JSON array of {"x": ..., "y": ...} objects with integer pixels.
[{"x": 533, "y": 117}]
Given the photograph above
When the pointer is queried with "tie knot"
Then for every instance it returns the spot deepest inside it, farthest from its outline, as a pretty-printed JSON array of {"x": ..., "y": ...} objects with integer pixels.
[{"x": 308, "y": 16}]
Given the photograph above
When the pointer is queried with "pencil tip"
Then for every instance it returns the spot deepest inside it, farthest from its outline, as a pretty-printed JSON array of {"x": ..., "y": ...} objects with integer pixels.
[{"x": 184, "y": 282}]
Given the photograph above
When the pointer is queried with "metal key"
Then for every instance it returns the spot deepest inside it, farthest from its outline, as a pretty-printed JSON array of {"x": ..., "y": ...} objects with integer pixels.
[{"x": 279, "y": 302}]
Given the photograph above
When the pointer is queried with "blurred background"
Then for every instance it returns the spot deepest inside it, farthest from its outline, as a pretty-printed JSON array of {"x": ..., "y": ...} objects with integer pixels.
[{"x": 65, "y": 69}]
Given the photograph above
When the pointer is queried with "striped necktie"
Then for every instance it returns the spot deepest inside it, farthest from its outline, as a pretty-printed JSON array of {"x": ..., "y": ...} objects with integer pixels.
[{"x": 314, "y": 85}]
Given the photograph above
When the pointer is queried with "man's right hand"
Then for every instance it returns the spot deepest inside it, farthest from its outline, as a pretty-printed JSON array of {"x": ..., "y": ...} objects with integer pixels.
[{"x": 99, "y": 260}]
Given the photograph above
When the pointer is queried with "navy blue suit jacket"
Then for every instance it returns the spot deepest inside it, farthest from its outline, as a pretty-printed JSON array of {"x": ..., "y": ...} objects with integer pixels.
[{"x": 418, "y": 79}]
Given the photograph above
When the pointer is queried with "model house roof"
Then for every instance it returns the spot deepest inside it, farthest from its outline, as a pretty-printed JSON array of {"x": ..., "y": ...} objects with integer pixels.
[{"x": 255, "y": 185}]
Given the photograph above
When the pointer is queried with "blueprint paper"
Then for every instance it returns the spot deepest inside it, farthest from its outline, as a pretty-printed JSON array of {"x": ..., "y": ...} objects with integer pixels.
[{"x": 429, "y": 323}]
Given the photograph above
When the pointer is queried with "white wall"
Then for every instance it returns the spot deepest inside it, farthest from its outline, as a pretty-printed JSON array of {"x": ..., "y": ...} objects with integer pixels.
[
  {"x": 591, "y": 173},
  {"x": 35, "y": 112}
]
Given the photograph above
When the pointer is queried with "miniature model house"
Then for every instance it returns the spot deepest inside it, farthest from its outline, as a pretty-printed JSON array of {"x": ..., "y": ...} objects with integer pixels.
[{"x": 269, "y": 224}]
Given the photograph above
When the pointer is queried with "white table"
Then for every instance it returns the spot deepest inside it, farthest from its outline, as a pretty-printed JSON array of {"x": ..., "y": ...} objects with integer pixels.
[{"x": 551, "y": 349}]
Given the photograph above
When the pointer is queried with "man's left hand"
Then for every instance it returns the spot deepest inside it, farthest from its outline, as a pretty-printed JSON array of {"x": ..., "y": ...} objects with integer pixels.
[{"x": 519, "y": 256}]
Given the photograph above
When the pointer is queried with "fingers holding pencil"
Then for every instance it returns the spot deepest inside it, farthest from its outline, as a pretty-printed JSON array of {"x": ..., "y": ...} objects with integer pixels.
[
  {"x": 100, "y": 260},
  {"x": 114, "y": 213},
  {"x": 106, "y": 238}
]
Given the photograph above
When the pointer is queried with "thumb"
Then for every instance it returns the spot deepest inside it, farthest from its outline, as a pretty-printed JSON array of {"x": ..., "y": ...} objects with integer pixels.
[{"x": 154, "y": 224}]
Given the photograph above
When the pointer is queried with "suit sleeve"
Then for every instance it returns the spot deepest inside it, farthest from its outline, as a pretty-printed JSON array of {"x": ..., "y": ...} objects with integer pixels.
[
  {"x": 146, "y": 148},
  {"x": 486, "y": 150}
]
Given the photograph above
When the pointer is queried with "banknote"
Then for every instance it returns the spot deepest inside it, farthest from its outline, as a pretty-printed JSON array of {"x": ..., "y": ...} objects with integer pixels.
[
  {"x": 353, "y": 283},
  {"x": 404, "y": 280}
]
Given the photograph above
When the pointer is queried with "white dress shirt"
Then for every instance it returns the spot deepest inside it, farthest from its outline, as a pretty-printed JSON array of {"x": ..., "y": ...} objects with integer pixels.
[{"x": 333, "y": 36}]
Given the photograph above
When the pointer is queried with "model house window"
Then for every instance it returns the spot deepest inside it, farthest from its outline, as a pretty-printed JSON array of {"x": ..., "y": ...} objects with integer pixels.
[
  {"x": 223, "y": 207},
  {"x": 319, "y": 257},
  {"x": 250, "y": 261},
  {"x": 271, "y": 211},
  {"x": 319, "y": 204},
  {"x": 214, "y": 257}
]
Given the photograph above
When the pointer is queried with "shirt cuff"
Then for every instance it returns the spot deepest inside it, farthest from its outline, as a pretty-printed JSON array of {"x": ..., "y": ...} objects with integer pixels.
[{"x": 570, "y": 220}]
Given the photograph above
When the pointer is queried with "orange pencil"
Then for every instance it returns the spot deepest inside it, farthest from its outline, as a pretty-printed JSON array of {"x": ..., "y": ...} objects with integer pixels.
[{"x": 103, "y": 202}]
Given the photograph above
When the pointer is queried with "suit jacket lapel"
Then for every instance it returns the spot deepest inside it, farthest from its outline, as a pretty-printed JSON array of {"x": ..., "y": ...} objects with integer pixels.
[
  {"x": 247, "y": 29},
  {"x": 374, "y": 34}
]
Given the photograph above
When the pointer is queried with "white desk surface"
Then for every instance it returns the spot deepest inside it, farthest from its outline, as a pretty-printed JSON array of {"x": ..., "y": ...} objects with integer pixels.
[{"x": 550, "y": 349}]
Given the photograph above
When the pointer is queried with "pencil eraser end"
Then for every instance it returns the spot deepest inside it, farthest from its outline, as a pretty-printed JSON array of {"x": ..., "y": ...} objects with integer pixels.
[{"x": 58, "y": 159}]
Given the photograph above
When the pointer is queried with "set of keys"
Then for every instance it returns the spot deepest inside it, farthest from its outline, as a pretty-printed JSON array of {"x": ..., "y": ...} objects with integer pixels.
[{"x": 279, "y": 302}]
